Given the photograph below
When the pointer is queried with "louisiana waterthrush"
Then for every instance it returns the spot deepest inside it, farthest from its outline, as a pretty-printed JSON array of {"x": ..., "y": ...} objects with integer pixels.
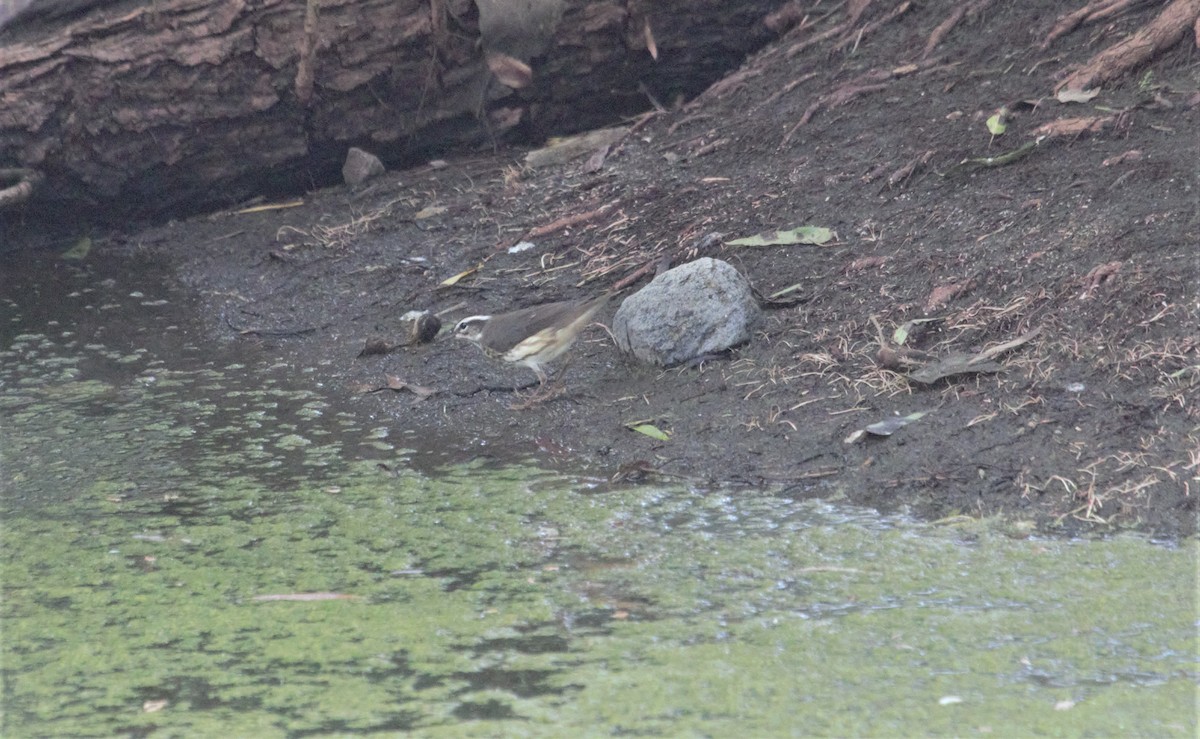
[{"x": 530, "y": 336}]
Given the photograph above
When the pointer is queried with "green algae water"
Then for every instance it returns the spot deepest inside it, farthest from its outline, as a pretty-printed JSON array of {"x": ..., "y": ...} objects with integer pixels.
[{"x": 193, "y": 544}]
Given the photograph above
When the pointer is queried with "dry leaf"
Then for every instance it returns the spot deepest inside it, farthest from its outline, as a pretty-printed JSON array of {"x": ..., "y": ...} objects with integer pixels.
[
  {"x": 649, "y": 36},
  {"x": 395, "y": 383},
  {"x": 862, "y": 263},
  {"x": 430, "y": 212},
  {"x": 1099, "y": 275},
  {"x": 1067, "y": 95},
  {"x": 511, "y": 72},
  {"x": 944, "y": 294},
  {"x": 465, "y": 273},
  {"x": 1073, "y": 126},
  {"x": 1133, "y": 155}
]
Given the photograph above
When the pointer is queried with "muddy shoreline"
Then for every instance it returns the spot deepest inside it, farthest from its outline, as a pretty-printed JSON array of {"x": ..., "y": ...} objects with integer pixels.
[{"x": 1089, "y": 426}]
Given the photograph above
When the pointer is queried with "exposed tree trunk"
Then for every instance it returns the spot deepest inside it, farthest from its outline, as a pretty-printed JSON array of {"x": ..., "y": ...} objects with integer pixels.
[{"x": 137, "y": 109}]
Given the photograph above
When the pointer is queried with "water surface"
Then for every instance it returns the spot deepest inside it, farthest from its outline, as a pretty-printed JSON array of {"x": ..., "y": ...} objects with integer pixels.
[{"x": 196, "y": 542}]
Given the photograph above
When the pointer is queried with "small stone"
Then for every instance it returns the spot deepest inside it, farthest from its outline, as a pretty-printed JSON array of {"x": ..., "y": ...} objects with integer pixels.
[
  {"x": 699, "y": 308},
  {"x": 376, "y": 346},
  {"x": 420, "y": 326},
  {"x": 361, "y": 166}
]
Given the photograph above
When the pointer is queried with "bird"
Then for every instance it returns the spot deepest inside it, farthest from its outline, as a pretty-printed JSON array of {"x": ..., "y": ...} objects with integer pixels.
[{"x": 531, "y": 336}]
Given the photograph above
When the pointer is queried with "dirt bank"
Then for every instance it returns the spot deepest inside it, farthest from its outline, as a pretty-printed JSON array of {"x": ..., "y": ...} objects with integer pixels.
[{"x": 1090, "y": 239}]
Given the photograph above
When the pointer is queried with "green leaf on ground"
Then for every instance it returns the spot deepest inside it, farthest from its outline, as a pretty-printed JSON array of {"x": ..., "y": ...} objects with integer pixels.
[
  {"x": 79, "y": 250},
  {"x": 652, "y": 431},
  {"x": 900, "y": 335},
  {"x": 801, "y": 235},
  {"x": 997, "y": 123}
]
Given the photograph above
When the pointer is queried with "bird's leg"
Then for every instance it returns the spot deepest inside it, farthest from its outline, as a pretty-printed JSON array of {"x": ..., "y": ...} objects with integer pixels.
[
  {"x": 546, "y": 390},
  {"x": 559, "y": 386},
  {"x": 533, "y": 397}
]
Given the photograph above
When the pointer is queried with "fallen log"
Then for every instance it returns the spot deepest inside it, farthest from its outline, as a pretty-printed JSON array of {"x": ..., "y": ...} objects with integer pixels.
[{"x": 131, "y": 109}]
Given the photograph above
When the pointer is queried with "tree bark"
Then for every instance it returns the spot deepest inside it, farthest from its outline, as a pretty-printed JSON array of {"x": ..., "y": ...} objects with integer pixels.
[{"x": 142, "y": 109}]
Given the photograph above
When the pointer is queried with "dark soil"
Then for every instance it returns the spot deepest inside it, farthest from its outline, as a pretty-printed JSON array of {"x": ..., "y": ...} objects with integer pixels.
[{"x": 1091, "y": 238}]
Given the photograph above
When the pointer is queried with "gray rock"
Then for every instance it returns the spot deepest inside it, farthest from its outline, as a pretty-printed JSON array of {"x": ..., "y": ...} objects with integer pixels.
[
  {"x": 697, "y": 308},
  {"x": 360, "y": 166}
]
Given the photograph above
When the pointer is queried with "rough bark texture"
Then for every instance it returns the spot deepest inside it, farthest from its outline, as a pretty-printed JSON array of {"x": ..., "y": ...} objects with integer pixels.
[
  {"x": 1116, "y": 61},
  {"x": 138, "y": 109}
]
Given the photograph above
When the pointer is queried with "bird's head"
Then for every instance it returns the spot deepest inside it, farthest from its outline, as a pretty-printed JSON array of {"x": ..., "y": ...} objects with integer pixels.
[{"x": 471, "y": 328}]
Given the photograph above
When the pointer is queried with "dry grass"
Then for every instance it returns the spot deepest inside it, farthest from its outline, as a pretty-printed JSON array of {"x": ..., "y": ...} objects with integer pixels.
[
  {"x": 344, "y": 234},
  {"x": 1114, "y": 486}
]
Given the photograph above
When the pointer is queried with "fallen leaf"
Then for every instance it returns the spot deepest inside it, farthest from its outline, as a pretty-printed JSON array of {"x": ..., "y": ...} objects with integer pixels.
[
  {"x": 1067, "y": 95},
  {"x": 1000, "y": 160},
  {"x": 943, "y": 294},
  {"x": 560, "y": 151},
  {"x": 395, "y": 383},
  {"x": 997, "y": 122},
  {"x": 79, "y": 250},
  {"x": 863, "y": 263},
  {"x": 954, "y": 364},
  {"x": 1073, "y": 127},
  {"x": 449, "y": 281},
  {"x": 430, "y": 212},
  {"x": 800, "y": 235},
  {"x": 511, "y": 72},
  {"x": 1133, "y": 155},
  {"x": 649, "y": 36},
  {"x": 962, "y": 363},
  {"x": 900, "y": 335},
  {"x": 889, "y": 426},
  {"x": 1099, "y": 275},
  {"x": 652, "y": 431}
]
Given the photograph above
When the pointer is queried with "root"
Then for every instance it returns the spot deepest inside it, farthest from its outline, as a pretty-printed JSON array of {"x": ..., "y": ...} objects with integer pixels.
[
  {"x": 854, "y": 12},
  {"x": 945, "y": 27},
  {"x": 308, "y": 46},
  {"x": 1152, "y": 39},
  {"x": 866, "y": 84},
  {"x": 27, "y": 181},
  {"x": 1095, "y": 11}
]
